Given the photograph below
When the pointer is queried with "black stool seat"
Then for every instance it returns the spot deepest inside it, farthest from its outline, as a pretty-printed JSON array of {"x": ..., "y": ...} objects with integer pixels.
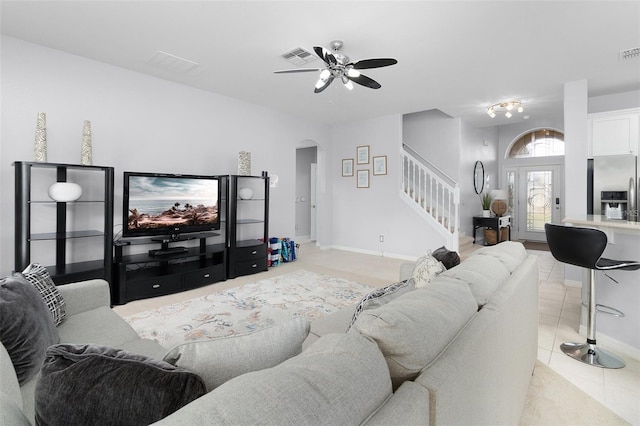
[
  {"x": 584, "y": 247},
  {"x": 626, "y": 265}
]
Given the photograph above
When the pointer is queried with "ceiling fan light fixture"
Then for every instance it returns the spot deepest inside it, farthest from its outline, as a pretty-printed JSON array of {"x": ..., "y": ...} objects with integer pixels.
[
  {"x": 352, "y": 72},
  {"x": 347, "y": 83},
  {"x": 508, "y": 114}
]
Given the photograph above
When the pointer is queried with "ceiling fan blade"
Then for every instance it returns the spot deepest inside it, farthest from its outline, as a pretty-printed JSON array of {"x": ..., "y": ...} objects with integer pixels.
[
  {"x": 365, "y": 81},
  {"x": 326, "y": 84},
  {"x": 325, "y": 55},
  {"x": 374, "y": 63},
  {"x": 297, "y": 70}
]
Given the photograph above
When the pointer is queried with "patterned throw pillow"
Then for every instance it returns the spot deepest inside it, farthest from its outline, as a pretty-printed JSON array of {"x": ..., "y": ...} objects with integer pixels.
[
  {"x": 37, "y": 275},
  {"x": 382, "y": 296},
  {"x": 426, "y": 269}
]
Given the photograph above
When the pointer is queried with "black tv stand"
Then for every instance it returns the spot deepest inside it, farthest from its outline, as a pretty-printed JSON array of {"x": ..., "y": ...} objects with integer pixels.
[
  {"x": 139, "y": 274},
  {"x": 168, "y": 251}
]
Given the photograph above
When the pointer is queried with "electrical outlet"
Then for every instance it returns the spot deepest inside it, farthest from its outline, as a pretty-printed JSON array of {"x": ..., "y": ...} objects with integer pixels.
[{"x": 382, "y": 238}]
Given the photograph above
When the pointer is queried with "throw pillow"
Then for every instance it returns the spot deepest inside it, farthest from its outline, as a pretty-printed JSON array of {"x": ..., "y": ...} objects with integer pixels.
[
  {"x": 382, "y": 296},
  {"x": 426, "y": 269},
  {"x": 114, "y": 386},
  {"x": 448, "y": 258},
  {"x": 37, "y": 275},
  {"x": 222, "y": 359},
  {"x": 26, "y": 327},
  {"x": 413, "y": 329}
]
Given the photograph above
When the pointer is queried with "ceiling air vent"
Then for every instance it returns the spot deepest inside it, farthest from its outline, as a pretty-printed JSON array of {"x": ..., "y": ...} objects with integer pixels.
[
  {"x": 630, "y": 53},
  {"x": 173, "y": 63},
  {"x": 299, "y": 56}
]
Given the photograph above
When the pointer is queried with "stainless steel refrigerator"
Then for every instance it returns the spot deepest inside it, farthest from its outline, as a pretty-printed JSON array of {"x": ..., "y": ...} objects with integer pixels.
[{"x": 613, "y": 186}]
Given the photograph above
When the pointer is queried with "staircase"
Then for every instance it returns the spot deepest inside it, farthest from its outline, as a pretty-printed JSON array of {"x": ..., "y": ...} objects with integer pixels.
[
  {"x": 466, "y": 247},
  {"x": 432, "y": 194}
]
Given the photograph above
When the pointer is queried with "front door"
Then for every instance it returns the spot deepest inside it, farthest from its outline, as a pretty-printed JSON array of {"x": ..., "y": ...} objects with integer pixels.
[{"x": 537, "y": 199}]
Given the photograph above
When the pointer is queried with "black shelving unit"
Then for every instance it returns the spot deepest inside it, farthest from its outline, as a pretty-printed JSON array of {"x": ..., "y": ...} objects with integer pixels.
[
  {"x": 143, "y": 275},
  {"x": 44, "y": 226},
  {"x": 248, "y": 225}
]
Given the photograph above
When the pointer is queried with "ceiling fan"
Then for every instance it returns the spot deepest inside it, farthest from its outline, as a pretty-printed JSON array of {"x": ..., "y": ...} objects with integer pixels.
[{"x": 339, "y": 66}]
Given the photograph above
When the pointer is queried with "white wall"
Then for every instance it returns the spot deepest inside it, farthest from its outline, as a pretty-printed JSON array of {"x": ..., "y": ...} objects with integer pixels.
[
  {"x": 613, "y": 102},
  {"x": 436, "y": 136},
  {"x": 477, "y": 144},
  {"x": 361, "y": 215},
  {"x": 139, "y": 123}
]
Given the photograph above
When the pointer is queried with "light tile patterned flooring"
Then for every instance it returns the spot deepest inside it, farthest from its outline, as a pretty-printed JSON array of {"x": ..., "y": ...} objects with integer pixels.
[
  {"x": 559, "y": 319},
  {"x": 619, "y": 390}
]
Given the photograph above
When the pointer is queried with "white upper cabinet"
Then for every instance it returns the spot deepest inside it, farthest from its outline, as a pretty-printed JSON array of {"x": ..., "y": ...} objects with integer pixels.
[{"x": 614, "y": 132}]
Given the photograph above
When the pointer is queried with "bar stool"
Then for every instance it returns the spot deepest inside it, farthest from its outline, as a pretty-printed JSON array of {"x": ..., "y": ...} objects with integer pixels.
[{"x": 584, "y": 247}]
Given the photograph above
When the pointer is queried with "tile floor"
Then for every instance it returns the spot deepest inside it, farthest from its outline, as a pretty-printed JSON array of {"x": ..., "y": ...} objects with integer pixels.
[
  {"x": 559, "y": 318},
  {"x": 619, "y": 390}
]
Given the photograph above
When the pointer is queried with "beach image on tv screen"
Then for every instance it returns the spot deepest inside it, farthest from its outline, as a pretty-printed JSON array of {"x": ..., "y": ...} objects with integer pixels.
[{"x": 165, "y": 202}]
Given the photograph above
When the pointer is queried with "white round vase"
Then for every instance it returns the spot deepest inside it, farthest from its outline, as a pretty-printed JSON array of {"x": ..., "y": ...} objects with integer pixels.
[
  {"x": 245, "y": 193},
  {"x": 64, "y": 192}
]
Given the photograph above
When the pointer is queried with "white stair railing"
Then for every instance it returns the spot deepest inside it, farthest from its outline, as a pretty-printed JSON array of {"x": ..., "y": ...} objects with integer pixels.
[{"x": 433, "y": 194}]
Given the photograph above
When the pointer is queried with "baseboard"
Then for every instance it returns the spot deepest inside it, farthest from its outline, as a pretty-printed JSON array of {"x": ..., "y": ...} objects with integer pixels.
[
  {"x": 614, "y": 345},
  {"x": 371, "y": 252}
]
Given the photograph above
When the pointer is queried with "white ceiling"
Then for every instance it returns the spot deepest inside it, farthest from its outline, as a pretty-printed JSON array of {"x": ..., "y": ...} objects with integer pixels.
[{"x": 455, "y": 56}]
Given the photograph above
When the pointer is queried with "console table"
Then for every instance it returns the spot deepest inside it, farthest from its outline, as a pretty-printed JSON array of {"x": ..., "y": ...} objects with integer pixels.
[{"x": 496, "y": 223}]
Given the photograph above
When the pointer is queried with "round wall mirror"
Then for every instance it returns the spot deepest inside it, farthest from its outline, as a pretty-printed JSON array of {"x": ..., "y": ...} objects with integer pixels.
[{"x": 478, "y": 177}]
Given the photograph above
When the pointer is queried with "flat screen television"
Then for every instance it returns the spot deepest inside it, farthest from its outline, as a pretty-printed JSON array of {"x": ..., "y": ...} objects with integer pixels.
[{"x": 168, "y": 204}]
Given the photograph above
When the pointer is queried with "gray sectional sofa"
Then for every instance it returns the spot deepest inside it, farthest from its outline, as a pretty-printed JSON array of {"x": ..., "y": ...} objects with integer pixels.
[{"x": 460, "y": 350}]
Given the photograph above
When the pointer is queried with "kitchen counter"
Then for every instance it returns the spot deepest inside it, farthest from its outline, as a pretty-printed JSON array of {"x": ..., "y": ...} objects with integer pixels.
[{"x": 598, "y": 221}]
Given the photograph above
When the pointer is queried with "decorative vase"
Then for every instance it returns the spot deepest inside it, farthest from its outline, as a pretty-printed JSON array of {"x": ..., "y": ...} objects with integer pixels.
[
  {"x": 40, "y": 146},
  {"x": 244, "y": 163},
  {"x": 245, "y": 193},
  {"x": 486, "y": 213},
  {"x": 64, "y": 192},
  {"x": 85, "y": 151}
]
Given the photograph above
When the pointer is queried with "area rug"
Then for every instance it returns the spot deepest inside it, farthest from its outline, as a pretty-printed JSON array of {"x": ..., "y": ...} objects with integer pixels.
[{"x": 248, "y": 308}]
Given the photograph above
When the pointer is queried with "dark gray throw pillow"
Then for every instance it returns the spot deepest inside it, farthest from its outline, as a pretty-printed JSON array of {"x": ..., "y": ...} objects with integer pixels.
[
  {"x": 98, "y": 385},
  {"x": 448, "y": 258},
  {"x": 26, "y": 326}
]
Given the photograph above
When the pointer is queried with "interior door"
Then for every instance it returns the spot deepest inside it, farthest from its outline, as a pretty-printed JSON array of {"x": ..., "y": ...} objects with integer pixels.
[
  {"x": 312, "y": 199},
  {"x": 539, "y": 196}
]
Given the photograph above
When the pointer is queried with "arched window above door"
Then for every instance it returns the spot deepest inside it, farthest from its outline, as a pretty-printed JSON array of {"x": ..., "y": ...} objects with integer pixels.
[{"x": 538, "y": 143}]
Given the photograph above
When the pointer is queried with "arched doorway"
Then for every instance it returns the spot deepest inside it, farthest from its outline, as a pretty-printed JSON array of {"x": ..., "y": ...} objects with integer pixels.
[{"x": 534, "y": 176}]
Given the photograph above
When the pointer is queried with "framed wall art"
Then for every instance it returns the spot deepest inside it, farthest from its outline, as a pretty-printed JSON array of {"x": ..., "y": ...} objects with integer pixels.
[
  {"x": 380, "y": 165},
  {"x": 347, "y": 167},
  {"x": 362, "y": 154},
  {"x": 363, "y": 179}
]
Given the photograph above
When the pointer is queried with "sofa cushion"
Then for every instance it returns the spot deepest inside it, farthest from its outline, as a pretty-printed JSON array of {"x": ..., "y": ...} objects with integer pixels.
[
  {"x": 339, "y": 380},
  {"x": 114, "y": 387},
  {"x": 509, "y": 253},
  {"x": 414, "y": 328},
  {"x": 9, "y": 386},
  {"x": 37, "y": 275},
  {"x": 382, "y": 296},
  {"x": 426, "y": 269},
  {"x": 26, "y": 328},
  {"x": 219, "y": 360},
  {"x": 483, "y": 274},
  {"x": 100, "y": 326}
]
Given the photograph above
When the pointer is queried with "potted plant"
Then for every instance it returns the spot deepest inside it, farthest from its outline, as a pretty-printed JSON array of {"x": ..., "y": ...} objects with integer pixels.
[{"x": 485, "y": 200}]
